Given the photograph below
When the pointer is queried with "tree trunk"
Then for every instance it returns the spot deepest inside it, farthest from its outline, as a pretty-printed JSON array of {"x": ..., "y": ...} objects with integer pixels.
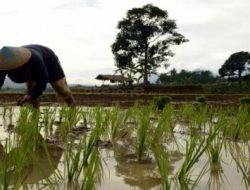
[
  {"x": 145, "y": 70},
  {"x": 239, "y": 80}
]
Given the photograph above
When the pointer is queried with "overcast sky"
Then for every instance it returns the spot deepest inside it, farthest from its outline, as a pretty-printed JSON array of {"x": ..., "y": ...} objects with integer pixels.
[{"x": 82, "y": 31}]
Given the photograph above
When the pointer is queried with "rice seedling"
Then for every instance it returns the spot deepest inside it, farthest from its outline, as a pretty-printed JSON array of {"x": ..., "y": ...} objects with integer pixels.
[
  {"x": 8, "y": 113},
  {"x": 74, "y": 160},
  {"x": 28, "y": 131},
  {"x": 92, "y": 140},
  {"x": 69, "y": 117},
  {"x": 62, "y": 113},
  {"x": 162, "y": 161},
  {"x": 12, "y": 164},
  {"x": 194, "y": 150},
  {"x": 240, "y": 153},
  {"x": 93, "y": 172},
  {"x": 218, "y": 180},
  {"x": 164, "y": 126},
  {"x": 25, "y": 113},
  {"x": 145, "y": 130},
  {"x": 48, "y": 120},
  {"x": 187, "y": 112},
  {"x": 214, "y": 152},
  {"x": 142, "y": 130},
  {"x": 84, "y": 117},
  {"x": 186, "y": 117},
  {"x": 101, "y": 123},
  {"x": 117, "y": 120},
  {"x": 83, "y": 160},
  {"x": 216, "y": 144},
  {"x": 239, "y": 126},
  {"x": 5, "y": 167},
  {"x": 201, "y": 117},
  {"x": 193, "y": 153}
]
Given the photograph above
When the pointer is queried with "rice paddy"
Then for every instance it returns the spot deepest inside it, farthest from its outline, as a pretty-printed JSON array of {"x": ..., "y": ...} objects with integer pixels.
[{"x": 179, "y": 147}]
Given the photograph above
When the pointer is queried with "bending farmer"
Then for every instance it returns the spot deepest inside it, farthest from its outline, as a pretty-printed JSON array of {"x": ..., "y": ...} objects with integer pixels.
[{"x": 35, "y": 65}]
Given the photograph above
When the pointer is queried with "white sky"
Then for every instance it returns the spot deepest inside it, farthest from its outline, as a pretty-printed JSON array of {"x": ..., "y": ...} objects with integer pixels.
[{"x": 82, "y": 31}]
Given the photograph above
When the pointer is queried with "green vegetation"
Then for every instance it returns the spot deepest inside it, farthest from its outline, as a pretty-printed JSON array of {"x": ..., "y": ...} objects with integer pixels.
[
  {"x": 235, "y": 66},
  {"x": 186, "y": 78},
  {"x": 245, "y": 101},
  {"x": 143, "y": 41},
  {"x": 161, "y": 101},
  {"x": 201, "y": 99},
  {"x": 162, "y": 162},
  {"x": 142, "y": 131},
  {"x": 147, "y": 136}
]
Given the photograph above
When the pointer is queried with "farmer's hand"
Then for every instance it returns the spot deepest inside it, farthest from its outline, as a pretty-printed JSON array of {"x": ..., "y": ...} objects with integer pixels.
[{"x": 25, "y": 99}]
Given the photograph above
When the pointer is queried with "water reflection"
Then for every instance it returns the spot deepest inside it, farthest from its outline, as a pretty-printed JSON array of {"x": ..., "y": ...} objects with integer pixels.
[
  {"x": 31, "y": 168},
  {"x": 217, "y": 179},
  {"x": 141, "y": 175},
  {"x": 240, "y": 153}
]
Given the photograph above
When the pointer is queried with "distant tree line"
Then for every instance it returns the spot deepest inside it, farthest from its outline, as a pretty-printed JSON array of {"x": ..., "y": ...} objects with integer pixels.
[{"x": 185, "y": 77}]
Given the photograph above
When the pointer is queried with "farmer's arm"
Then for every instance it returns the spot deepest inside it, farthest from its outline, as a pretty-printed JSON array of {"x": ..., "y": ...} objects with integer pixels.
[{"x": 2, "y": 78}]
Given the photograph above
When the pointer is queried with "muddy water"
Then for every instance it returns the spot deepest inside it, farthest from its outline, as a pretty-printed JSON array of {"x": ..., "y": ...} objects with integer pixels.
[
  {"x": 125, "y": 173},
  {"x": 122, "y": 171}
]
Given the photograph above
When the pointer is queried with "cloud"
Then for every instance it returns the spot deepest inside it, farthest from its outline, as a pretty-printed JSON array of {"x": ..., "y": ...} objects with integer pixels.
[
  {"x": 81, "y": 31},
  {"x": 76, "y": 4},
  {"x": 8, "y": 13}
]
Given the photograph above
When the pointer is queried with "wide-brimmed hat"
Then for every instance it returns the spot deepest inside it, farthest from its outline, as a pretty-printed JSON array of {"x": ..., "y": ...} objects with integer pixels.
[{"x": 13, "y": 57}]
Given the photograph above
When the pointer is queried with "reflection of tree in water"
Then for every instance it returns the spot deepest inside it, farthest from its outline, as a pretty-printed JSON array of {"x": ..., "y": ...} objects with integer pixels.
[
  {"x": 143, "y": 175},
  {"x": 36, "y": 166}
]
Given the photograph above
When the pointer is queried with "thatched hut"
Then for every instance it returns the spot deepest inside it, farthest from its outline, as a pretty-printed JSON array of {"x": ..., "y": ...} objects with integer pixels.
[{"x": 115, "y": 78}]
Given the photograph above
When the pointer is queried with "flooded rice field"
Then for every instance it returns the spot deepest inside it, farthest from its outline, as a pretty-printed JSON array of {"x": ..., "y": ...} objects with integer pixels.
[{"x": 184, "y": 147}]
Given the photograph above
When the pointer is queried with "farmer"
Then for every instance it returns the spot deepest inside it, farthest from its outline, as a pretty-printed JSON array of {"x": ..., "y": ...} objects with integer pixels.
[{"x": 35, "y": 65}]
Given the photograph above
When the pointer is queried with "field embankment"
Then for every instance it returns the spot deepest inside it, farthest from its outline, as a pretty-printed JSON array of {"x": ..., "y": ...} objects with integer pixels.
[{"x": 127, "y": 96}]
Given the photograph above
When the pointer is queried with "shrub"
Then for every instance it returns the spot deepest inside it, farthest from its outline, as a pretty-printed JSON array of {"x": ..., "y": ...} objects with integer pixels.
[
  {"x": 44, "y": 98},
  {"x": 201, "y": 99},
  {"x": 245, "y": 101},
  {"x": 161, "y": 101}
]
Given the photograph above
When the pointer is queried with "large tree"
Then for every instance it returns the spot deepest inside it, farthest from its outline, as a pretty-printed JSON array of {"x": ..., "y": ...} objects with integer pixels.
[
  {"x": 236, "y": 65},
  {"x": 143, "y": 41}
]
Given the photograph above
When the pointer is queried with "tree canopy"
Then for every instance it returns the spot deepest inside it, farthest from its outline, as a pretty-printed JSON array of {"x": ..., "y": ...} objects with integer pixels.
[
  {"x": 236, "y": 65},
  {"x": 143, "y": 41}
]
